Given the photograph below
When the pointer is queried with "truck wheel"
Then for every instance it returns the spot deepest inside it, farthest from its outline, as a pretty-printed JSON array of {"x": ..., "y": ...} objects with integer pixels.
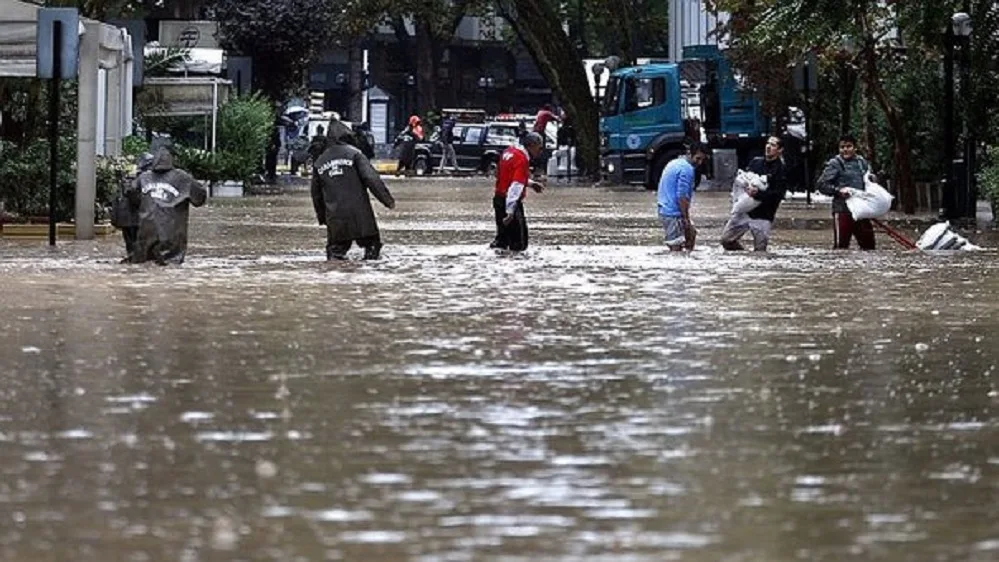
[{"x": 657, "y": 169}]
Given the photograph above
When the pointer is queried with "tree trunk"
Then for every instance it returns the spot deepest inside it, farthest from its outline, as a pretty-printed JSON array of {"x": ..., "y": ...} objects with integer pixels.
[
  {"x": 426, "y": 68},
  {"x": 870, "y": 132},
  {"x": 848, "y": 83},
  {"x": 355, "y": 84},
  {"x": 906, "y": 188},
  {"x": 541, "y": 31},
  {"x": 624, "y": 27}
]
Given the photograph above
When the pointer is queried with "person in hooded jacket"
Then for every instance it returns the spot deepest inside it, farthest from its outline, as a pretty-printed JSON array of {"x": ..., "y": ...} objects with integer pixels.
[
  {"x": 341, "y": 179},
  {"x": 163, "y": 195},
  {"x": 406, "y": 143},
  {"x": 125, "y": 215}
]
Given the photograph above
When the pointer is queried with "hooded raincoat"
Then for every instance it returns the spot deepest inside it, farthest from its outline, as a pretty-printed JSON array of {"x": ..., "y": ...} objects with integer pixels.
[
  {"x": 164, "y": 195},
  {"x": 341, "y": 179}
]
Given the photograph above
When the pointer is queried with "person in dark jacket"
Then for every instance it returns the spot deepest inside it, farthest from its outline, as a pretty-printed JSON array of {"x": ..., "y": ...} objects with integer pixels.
[
  {"x": 364, "y": 140},
  {"x": 448, "y": 157},
  {"x": 317, "y": 145},
  {"x": 163, "y": 195},
  {"x": 760, "y": 220},
  {"x": 341, "y": 179},
  {"x": 847, "y": 170},
  {"x": 125, "y": 215}
]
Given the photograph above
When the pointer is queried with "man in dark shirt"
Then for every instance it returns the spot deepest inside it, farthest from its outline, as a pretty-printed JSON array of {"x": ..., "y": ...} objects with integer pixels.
[{"x": 760, "y": 220}]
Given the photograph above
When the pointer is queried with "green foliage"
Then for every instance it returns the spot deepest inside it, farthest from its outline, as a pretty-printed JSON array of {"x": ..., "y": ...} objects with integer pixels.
[
  {"x": 161, "y": 62},
  {"x": 201, "y": 164},
  {"x": 24, "y": 178},
  {"x": 133, "y": 146},
  {"x": 988, "y": 178},
  {"x": 245, "y": 126},
  {"x": 283, "y": 36},
  {"x": 112, "y": 172}
]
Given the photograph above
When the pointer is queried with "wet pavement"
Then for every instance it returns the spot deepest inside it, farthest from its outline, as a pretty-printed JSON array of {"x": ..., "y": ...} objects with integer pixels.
[{"x": 594, "y": 399}]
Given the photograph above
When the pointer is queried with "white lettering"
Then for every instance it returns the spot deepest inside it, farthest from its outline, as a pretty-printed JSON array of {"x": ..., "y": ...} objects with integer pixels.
[
  {"x": 160, "y": 191},
  {"x": 335, "y": 166}
]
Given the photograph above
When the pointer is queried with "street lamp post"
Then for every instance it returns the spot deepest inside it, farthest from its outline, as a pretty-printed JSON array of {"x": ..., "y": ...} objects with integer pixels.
[
  {"x": 959, "y": 199},
  {"x": 410, "y": 97}
]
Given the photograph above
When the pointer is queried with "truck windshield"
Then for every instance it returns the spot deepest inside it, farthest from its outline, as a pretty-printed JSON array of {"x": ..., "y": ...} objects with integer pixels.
[
  {"x": 612, "y": 94},
  {"x": 643, "y": 93}
]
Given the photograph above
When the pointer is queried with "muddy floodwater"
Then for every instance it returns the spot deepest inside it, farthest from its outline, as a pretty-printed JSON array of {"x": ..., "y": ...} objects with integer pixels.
[{"x": 596, "y": 399}]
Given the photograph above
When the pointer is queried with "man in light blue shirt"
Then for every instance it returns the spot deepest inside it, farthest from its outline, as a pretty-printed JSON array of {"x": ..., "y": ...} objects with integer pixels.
[{"x": 676, "y": 190}]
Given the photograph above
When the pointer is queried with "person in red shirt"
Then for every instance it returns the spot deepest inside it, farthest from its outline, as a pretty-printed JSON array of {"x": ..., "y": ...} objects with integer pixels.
[
  {"x": 513, "y": 176},
  {"x": 545, "y": 115}
]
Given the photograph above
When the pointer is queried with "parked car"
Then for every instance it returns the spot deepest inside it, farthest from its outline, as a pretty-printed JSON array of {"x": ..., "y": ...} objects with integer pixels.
[{"x": 477, "y": 147}]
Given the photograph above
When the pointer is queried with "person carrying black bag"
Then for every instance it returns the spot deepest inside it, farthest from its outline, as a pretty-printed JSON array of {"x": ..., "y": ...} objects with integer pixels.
[{"x": 125, "y": 215}]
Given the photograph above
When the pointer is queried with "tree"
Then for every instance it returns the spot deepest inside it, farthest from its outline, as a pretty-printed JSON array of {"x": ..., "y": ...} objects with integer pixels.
[
  {"x": 538, "y": 24},
  {"x": 894, "y": 48},
  {"x": 434, "y": 23},
  {"x": 110, "y": 9},
  {"x": 284, "y": 37},
  {"x": 627, "y": 28},
  {"x": 789, "y": 28}
]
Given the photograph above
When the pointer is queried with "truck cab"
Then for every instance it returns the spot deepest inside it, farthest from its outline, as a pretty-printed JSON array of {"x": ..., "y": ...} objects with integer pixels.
[{"x": 650, "y": 112}]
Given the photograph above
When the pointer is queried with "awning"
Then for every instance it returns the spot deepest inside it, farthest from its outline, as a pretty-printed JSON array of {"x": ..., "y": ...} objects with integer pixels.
[{"x": 18, "y": 28}]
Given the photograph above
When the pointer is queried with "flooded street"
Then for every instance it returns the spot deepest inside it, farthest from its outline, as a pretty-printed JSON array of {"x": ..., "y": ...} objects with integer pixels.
[{"x": 596, "y": 399}]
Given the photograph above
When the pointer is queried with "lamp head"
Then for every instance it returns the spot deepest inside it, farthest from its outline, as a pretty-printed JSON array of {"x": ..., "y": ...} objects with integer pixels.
[{"x": 960, "y": 24}]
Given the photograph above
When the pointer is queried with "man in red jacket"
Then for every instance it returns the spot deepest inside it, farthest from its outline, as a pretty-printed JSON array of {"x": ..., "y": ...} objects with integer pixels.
[{"x": 513, "y": 176}]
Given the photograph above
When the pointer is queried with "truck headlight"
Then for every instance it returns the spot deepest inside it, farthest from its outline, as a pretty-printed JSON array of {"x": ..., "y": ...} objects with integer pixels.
[{"x": 610, "y": 168}]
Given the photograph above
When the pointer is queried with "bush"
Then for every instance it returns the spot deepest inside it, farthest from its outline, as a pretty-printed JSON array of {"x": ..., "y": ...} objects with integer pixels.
[
  {"x": 133, "y": 146},
  {"x": 988, "y": 178},
  {"x": 24, "y": 179},
  {"x": 244, "y": 129},
  {"x": 111, "y": 173}
]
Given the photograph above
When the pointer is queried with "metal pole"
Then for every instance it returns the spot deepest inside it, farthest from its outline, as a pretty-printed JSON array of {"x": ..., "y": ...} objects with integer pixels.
[
  {"x": 949, "y": 191},
  {"x": 215, "y": 113},
  {"x": 969, "y": 207},
  {"x": 364, "y": 89},
  {"x": 54, "y": 126},
  {"x": 807, "y": 69}
]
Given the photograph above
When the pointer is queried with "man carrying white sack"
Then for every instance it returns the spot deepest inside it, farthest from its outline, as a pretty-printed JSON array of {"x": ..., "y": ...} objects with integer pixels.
[
  {"x": 842, "y": 173},
  {"x": 759, "y": 221}
]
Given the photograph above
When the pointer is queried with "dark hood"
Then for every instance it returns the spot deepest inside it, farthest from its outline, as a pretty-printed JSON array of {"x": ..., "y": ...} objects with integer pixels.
[
  {"x": 340, "y": 133},
  {"x": 163, "y": 161}
]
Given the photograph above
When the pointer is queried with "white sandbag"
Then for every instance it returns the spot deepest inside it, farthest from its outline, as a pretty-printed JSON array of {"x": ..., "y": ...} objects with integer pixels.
[
  {"x": 743, "y": 202},
  {"x": 940, "y": 237},
  {"x": 872, "y": 202}
]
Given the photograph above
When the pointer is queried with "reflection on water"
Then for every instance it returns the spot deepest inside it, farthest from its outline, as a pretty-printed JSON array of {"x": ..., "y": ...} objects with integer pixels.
[{"x": 596, "y": 399}]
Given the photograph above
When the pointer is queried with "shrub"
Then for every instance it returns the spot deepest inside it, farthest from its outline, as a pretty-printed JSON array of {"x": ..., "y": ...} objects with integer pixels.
[
  {"x": 244, "y": 129},
  {"x": 133, "y": 146},
  {"x": 24, "y": 178},
  {"x": 988, "y": 178}
]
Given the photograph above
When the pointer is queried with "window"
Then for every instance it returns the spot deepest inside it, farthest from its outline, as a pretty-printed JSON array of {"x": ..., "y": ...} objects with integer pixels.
[
  {"x": 503, "y": 135},
  {"x": 612, "y": 94},
  {"x": 643, "y": 93},
  {"x": 473, "y": 135}
]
